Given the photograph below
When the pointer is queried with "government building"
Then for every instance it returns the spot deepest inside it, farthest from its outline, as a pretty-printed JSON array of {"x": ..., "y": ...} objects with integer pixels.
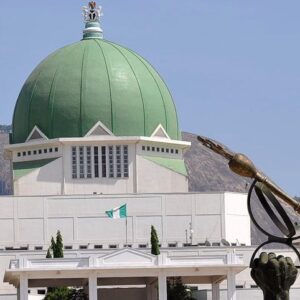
[{"x": 95, "y": 128}]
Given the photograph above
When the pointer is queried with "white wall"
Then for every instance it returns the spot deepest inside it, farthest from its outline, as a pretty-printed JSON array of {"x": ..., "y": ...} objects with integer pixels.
[
  {"x": 237, "y": 221},
  {"x": 45, "y": 180},
  {"x": 153, "y": 178},
  {"x": 82, "y": 219}
]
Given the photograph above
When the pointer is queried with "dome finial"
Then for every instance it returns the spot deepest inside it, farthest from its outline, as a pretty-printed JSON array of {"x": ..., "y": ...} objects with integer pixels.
[{"x": 92, "y": 15}]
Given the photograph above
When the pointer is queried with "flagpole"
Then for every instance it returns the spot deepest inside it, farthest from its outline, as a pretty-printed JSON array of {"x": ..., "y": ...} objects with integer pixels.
[{"x": 126, "y": 233}]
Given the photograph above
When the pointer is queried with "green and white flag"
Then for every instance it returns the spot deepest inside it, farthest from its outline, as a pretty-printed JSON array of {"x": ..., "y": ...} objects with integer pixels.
[{"x": 118, "y": 212}]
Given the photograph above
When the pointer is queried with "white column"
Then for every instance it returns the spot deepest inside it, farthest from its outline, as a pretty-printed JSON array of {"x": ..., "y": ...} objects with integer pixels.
[
  {"x": 93, "y": 287},
  {"x": 231, "y": 291},
  {"x": 162, "y": 287},
  {"x": 23, "y": 288},
  {"x": 215, "y": 291}
]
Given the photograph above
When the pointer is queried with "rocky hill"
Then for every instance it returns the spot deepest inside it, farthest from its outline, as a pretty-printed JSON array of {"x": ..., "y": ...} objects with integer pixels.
[{"x": 207, "y": 172}]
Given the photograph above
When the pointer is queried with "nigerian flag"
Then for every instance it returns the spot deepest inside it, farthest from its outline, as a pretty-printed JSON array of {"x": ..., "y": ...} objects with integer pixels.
[{"x": 118, "y": 212}]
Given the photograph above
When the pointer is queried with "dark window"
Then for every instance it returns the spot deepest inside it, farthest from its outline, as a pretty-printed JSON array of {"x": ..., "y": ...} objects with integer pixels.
[
  {"x": 88, "y": 162},
  {"x": 148, "y": 148},
  {"x": 143, "y": 147},
  {"x": 118, "y": 159},
  {"x": 41, "y": 292},
  {"x": 50, "y": 150},
  {"x": 38, "y": 248},
  {"x": 29, "y": 152},
  {"x": 40, "y": 151},
  {"x": 142, "y": 246},
  {"x": 56, "y": 149},
  {"x": 112, "y": 246},
  {"x": 125, "y": 162},
  {"x": 167, "y": 150},
  {"x": 153, "y": 148},
  {"x": 98, "y": 246},
  {"x": 83, "y": 247},
  {"x": 162, "y": 149},
  {"x": 74, "y": 162},
  {"x": 68, "y": 247},
  {"x": 19, "y": 153},
  {"x": 96, "y": 162},
  {"x": 34, "y": 152},
  {"x": 45, "y": 150},
  {"x": 24, "y": 153},
  {"x": 172, "y": 150},
  {"x": 176, "y": 151},
  {"x": 157, "y": 149},
  {"x": 172, "y": 245},
  {"x": 103, "y": 160}
]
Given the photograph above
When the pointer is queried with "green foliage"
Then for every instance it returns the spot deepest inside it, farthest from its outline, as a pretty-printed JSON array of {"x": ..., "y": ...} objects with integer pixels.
[
  {"x": 57, "y": 246},
  {"x": 177, "y": 290},
  {"x": 154, "y": 242},
  {"x": 48, "y": 255},
  {"x": 63, "y": 293}
]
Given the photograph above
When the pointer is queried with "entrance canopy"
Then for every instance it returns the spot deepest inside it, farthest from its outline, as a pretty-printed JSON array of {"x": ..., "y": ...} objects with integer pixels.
[{"x": 126, "y": 267}]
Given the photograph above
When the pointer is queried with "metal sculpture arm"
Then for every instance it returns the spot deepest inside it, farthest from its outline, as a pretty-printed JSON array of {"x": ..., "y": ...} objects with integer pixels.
[{"x": 243, "y": 166}]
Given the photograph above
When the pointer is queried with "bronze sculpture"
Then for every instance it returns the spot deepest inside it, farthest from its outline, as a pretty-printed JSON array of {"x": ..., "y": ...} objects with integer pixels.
[{"x": 274, "y": 275}]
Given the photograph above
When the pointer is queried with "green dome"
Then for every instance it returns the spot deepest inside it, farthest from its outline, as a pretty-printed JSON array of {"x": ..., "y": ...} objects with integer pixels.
[{"x": 90, "y": 81}]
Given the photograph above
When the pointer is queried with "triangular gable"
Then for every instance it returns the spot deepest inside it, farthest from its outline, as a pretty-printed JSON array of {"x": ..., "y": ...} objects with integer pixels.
[
  {"x": 99, "y": 129},
  {"x": 127, "y": 257},
  {"x": 160, "y": 132},
  {"x": 36, "y": 134}
]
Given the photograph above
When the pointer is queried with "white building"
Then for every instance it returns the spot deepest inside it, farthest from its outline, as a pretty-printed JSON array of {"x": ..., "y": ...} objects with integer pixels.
[{"x": 95, "y": 127}]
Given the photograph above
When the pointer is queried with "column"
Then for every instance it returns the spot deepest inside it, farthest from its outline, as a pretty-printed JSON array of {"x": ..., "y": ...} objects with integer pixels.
[
  {"x": 215, "y": 291},
  {"x": 93, "y": 287},
  {"x": 23, "y": 288},
  {"x": 162, "y": 287},
  {"x": 231, "y": 291}
]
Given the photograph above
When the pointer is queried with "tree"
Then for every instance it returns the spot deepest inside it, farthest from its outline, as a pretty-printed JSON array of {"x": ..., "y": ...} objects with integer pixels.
[
  {"x": 154, "y": 242},
  {"x": 57, "y": 246},
  {"x": 48, "y": 255},
  {"x": 177, "y": 290}
]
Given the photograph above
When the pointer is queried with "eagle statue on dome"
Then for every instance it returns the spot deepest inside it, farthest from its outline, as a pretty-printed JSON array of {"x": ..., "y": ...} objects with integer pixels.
[{"x": 92, "y": 13}]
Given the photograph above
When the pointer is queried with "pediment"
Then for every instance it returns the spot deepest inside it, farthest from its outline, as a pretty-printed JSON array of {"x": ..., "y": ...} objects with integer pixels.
[
  {"x": 127, "y": 257},
  {"x": 160, "y": 132},
  {"x": 99, "y": 129},
  {"x": 36, "y": 134}
]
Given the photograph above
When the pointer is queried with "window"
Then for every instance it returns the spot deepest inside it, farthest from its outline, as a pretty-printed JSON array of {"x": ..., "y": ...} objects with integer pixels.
[
  {"x": 142, "y": 246},
  {"x": 83, "y": 247},
  {"x": 112, "y": 246},
  {"x": 143, "y": 148},
  {"x": 125, "y": 161},
  {"x": 157, "y": 149},
  {"x": 50, "y": 150},
  {"x": 98, "y": 246},
  {"x": 68, "y": 247},
  {"x": 38, "y": 248},
  {"x": 74, "y": 162},
  {"x": 81, "y": 162},
  {"x": 45, "y": 150},
  {"x": 19, "y": 153},
  {"x": 176, "y": 151},
  {"x": 172, "y": 150},
  {"x": 56, "y": 149},
  {"x": 172, "y": 245},
  {"x": 103, "y": 160},
  {"x": 148, "y": 148},
  {"x": 34, "y": 152},
  {"x": 96, "y": 162},
  {"x": 118, "y": 158},
  {"x": 153, "y": 148},
  {"x": 24, "y": 153},
  {"x": 29, "y": 152},
  {"x": 162, "y": 149},
  {"x": 111, "y": 161},
  {"x": 88, "y": 162},
  {"x": 40, "y": 151},
  {"x": 167, "y": 150}
]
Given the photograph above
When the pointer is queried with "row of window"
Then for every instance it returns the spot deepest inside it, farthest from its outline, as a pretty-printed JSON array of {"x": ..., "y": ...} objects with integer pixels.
[
  {"x": 100, "y": 161},
  {"x": 37, "y": 151},
  {"x": 160, "y": 149}
]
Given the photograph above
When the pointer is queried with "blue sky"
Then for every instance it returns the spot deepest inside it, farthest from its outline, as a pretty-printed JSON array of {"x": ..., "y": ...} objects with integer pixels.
[{"x": 233, "y": 66}]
